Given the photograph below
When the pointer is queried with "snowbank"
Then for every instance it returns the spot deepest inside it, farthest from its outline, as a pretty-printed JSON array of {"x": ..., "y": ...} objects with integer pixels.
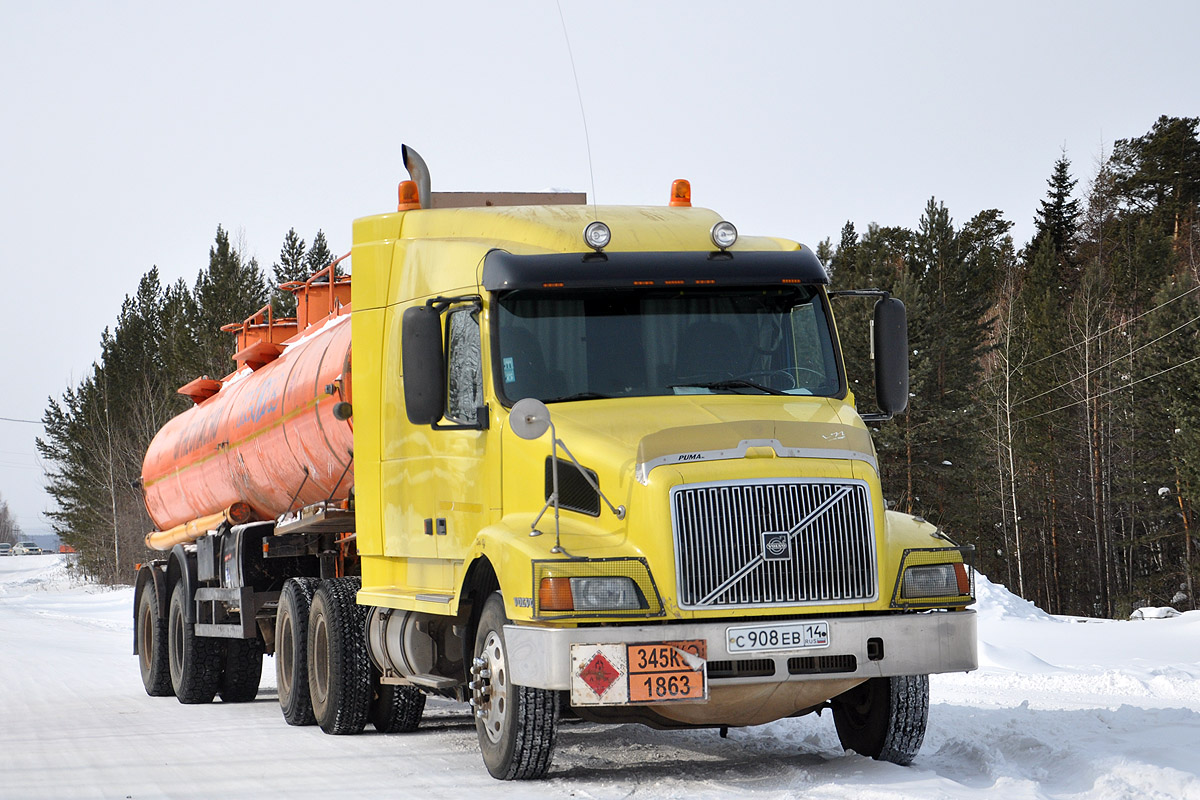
[{"x": 1058, "y": 709}]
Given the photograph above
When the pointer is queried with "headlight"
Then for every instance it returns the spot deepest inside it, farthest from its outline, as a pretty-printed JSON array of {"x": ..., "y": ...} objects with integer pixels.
[
  {"x": 935, "y": 580},
  {"x": 606, "y": 593}
]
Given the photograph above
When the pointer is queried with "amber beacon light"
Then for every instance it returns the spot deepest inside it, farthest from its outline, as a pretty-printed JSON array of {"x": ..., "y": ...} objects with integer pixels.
[
  {"x": 681, "y": 194},
  {"x": 410, "y": 197}
]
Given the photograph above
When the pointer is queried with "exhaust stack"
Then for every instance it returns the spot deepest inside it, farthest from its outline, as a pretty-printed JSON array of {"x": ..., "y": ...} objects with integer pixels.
[{"x": 418, "y": 172}]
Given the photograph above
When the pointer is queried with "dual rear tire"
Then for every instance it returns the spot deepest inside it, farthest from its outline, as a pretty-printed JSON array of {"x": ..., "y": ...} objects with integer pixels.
[
  {"x": 322, "y": 669},
  {"x": 173, "y": 660}
]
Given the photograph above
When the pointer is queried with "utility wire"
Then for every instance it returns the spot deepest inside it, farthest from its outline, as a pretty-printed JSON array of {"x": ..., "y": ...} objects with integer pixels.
[
  {"x": 1110, "y": 330},
  {"x": 1125, "y": 355},
  {"x": 1108, "y": 392},
  {"x": 30, "y": 421}
]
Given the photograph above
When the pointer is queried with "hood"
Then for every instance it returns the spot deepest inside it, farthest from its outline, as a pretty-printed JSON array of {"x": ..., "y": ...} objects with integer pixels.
[{"x": 651, "y": 432}]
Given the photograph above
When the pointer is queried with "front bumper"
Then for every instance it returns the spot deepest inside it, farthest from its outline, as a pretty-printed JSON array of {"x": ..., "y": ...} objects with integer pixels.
[{"x": 900, "y": 644}]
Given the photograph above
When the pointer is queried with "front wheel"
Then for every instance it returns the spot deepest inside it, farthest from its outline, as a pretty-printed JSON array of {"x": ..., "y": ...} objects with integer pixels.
[
  {"x": 884, "y": 718},
  {"x": 516, "y": 724}
]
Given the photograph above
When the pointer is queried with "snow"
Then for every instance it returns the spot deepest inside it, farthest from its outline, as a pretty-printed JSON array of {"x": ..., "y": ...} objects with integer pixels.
[{"x": 1061, "y": 707}]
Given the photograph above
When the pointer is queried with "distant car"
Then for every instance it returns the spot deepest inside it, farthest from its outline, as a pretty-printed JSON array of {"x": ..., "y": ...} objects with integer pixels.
[
  {"x": 26, "y": 549},
  {"x": 6, "y": 548}
]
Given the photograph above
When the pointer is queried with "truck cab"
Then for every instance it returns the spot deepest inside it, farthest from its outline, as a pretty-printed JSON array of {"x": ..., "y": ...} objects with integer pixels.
[{"x": 621, "y": 474}]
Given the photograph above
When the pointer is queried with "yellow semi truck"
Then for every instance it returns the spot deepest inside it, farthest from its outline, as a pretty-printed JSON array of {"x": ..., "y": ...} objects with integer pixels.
[{"x": 606, "y": 463}]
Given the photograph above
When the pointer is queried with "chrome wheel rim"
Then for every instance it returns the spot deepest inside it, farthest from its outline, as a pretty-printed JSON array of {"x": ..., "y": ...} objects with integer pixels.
[{"x": 490, "y": 694}]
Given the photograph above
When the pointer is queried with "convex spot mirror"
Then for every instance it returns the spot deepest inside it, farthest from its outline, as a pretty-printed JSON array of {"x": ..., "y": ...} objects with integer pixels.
[{"x": 529, "y": 418}]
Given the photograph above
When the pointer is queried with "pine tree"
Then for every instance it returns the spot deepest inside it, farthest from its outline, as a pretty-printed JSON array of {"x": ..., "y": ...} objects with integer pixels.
[
  {"x": 1058, "y": 216},
  {"x": 319, "y": 256},
  {"x": 292, "y": 266},
  {"x": 228, "y": 291}
]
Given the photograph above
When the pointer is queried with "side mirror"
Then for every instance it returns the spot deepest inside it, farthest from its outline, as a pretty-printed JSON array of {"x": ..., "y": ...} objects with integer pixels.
[
  {"x": 890, "y": 343},
  {"x": 423, "y": 364}
]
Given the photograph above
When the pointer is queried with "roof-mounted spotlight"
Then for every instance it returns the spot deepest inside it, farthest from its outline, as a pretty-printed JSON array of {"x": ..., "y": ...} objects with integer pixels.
[
  {"x": 597, "y": 235},
  {"x": 723, "y": 235}
]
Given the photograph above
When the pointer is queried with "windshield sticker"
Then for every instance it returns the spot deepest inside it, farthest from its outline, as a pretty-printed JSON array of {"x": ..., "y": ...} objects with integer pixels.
[{"x": 510, "y": 373}]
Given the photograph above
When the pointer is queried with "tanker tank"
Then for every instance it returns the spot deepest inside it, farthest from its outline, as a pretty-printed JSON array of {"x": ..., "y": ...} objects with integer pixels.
[{"x": 265, "y": 440}]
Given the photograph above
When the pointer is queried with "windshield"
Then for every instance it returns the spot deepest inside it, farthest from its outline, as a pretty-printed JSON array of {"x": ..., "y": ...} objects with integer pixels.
[{"x": 559, "y": 346}]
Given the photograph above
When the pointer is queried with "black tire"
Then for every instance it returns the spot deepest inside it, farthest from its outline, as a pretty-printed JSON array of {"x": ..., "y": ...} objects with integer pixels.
[
  {"x": 195, "y": 661},
  {"x": 243, "y": 670},
  {"x": 339, "y": 672},
  {"x": 291, "y": 650},
  {"x": 517, "y": 725},
  {"x": 884, "y": 718},
  {"x": 396, "y": 709},
  {"x": 151, "y": 627}
]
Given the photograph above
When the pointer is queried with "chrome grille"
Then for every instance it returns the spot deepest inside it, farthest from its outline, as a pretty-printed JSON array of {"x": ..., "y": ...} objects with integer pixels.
[{"x": 721, "y": 558}]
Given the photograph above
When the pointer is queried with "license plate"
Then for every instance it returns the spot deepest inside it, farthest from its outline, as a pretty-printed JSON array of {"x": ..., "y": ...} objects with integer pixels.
[
  {"x": 646, "y": 672},
  {"x": 664, "y": 672},
  {"x": 773, "y": 638}
]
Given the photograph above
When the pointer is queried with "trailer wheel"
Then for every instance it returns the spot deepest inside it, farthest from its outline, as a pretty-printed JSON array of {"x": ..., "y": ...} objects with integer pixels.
[
  {"x": 152, "y": 644},
  {"x": 396, "y": 709},
  {"x": 195, "y": 661},
  {"x": 339, "y": 672},
  {"x": 243, "y": 670},
  {"x": 517, "y": 725},
  {"x": 884, "y": 718},
  {"x": 291, "y": 650}
]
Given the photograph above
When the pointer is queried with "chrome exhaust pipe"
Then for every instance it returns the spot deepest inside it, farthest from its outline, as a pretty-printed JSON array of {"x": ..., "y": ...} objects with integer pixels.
[{"x": 418, "y": 172}]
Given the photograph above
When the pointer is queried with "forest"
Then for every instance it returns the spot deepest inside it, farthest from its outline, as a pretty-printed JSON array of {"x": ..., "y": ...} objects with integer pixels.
[{"x": 1053, "y": 420}]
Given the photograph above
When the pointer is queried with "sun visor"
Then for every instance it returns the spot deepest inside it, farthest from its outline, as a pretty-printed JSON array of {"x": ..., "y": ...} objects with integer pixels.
[{"x": 503, "y": 270}]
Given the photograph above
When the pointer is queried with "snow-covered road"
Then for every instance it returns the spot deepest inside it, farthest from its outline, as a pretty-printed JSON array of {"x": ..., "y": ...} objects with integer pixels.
[{"x": 1059, "y": 709}]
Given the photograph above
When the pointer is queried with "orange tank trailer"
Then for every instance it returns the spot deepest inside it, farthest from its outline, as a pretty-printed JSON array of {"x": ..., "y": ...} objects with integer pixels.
[{"x": 265, "y": 440}]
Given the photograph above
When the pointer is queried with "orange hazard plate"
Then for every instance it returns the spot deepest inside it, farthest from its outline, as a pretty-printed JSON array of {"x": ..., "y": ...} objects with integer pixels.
[{"x": 667, "y": 672}]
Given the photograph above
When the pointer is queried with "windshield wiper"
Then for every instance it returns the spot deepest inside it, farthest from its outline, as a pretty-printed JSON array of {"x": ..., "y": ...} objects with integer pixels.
[
  {"x": 733, "y": 383},
  {"x": 578, "y": 396}
]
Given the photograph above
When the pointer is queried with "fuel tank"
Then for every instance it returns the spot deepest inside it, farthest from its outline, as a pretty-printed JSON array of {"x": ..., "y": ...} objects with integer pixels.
[{"x": 266, "y": 438}]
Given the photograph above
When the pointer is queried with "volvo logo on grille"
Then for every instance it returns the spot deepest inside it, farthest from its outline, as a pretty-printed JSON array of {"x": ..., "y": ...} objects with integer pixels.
[{"x": 777, "y": 545}]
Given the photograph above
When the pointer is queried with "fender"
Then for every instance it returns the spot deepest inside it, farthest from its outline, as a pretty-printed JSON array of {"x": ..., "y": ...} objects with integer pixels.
[{"x": 181, "y": 566}]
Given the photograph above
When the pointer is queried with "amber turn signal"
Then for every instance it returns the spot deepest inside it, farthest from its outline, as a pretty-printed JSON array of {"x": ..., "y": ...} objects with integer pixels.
[{"x": 554, "y": 594}]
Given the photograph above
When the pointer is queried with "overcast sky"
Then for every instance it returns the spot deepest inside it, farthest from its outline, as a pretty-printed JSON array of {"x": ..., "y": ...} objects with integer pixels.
[{"x": 131, "y": 130}]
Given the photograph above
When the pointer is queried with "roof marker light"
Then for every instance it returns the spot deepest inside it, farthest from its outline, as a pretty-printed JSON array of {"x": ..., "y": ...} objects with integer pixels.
[
  {"x": 597, "y": 235},
  {"x": 681, "y": 194},
  {"x": 410, "y": 196},
  {"x": 723, "y": 235}
]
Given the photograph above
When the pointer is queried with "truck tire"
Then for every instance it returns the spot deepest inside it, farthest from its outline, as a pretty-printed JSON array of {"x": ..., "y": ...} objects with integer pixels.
[
  {"x": 152, "y": 644},
  {"x": 339, "y": 671},
  {"x": 884, "y": 718},
  {"x": 195, "y": 661},
  {"x": 396, "y": 709},
  {"x": 517, "y": 725},
  {"x": 291, "y": 650},
  {"x": 243, "y": 670}
]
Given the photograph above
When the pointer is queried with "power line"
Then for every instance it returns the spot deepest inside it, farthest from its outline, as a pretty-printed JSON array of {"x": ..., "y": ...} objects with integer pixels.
[
  {"x": 1128, "y": 354},
  {"x": 1110, "y": 330},
  {"x": 1110, "y": 391},
  {"x": 29, "y": 421}
]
